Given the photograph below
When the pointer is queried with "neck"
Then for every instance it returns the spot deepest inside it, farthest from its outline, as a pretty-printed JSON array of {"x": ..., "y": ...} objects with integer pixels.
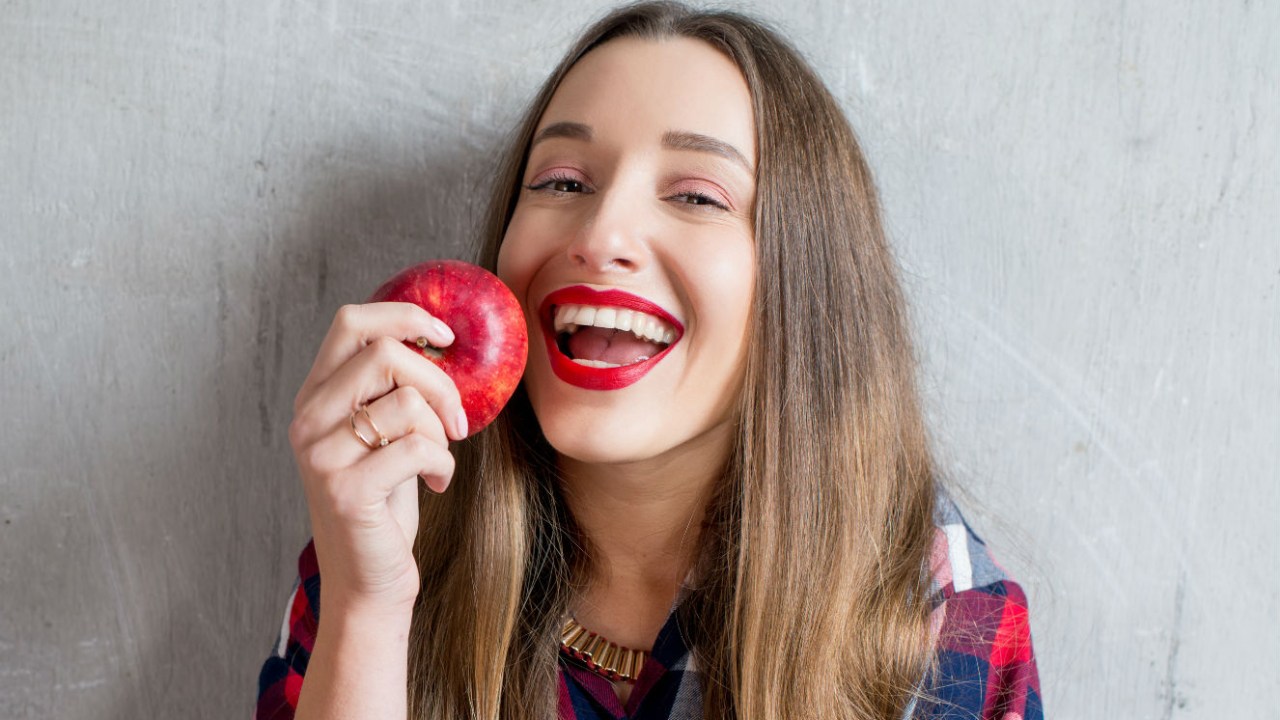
[{"x": 644, "y": 523}]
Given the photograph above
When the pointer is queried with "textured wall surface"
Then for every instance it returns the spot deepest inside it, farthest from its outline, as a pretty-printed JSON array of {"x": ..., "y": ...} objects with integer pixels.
[{"x": 1084, "y": 195}]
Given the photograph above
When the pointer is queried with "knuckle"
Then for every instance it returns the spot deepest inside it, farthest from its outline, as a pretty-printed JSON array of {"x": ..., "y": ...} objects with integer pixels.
[
  {"x": 385, "y": 348},
  {"x": 314, "y": 458},
  {"x": 409, "y": 400},
  {"x": 417, "y": 443},
  {"x": 326, "y": 490},
  {"x": 299, "y": 430},
  {"x": 338, "y": 494},
  {"x": 342, "y": 502},
  {"x": 346, "y": 317}
]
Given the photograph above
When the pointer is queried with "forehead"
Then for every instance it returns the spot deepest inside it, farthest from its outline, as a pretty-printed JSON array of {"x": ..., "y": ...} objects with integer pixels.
[{"x": 643, "y": 88}]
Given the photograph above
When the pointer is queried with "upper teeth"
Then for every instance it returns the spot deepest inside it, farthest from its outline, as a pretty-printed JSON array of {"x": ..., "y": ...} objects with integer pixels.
[{"x": 643, "y": 325}]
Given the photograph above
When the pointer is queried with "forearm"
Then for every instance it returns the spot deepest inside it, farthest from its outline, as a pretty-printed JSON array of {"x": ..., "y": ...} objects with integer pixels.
[{"x": 358, "y": 668}]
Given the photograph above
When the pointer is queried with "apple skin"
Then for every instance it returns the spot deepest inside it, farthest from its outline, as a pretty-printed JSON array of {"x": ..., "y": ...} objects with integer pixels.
[{"x": 491, "y": 345}]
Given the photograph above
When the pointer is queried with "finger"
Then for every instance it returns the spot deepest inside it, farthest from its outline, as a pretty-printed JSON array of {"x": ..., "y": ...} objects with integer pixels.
[
  {"x": 409, "y": 458},
  {"x": 403, "y": 506},
  {"x": 384, "y": 365},
  {"x": 355, "y": 326},
  {"x": 360, "y": 495},
  {"x": 404, "y": 410},
  {"x": 391, "y": 417}
]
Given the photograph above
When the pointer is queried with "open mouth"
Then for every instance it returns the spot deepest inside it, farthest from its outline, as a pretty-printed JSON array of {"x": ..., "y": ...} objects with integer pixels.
[
  {"x": 609, "y": 337},
  {"x": 605, "y": 339}
]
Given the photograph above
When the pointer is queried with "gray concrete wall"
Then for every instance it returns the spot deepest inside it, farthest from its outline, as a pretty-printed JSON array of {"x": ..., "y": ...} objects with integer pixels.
[{"x": 1085, "y": 196}]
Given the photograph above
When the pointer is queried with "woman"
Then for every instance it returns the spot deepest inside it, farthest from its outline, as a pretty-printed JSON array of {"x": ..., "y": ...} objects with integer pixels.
[{"x": 735, "y": 491}]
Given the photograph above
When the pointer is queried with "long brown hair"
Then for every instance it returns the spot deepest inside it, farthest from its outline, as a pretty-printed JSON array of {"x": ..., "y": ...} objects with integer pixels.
[{"x": 812, "y": 599}]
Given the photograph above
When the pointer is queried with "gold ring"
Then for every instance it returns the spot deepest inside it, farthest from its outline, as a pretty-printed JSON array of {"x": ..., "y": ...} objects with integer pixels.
[{"x": 382, "y": 439}]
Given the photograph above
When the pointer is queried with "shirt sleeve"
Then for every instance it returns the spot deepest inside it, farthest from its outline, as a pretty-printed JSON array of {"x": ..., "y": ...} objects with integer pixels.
[
  {"x": 280, "y": 680},
  {"x": 986, "y": 669}
]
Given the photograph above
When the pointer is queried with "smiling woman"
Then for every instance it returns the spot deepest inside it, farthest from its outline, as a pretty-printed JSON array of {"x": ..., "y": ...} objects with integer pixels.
[
  {"x": 627, "y": 197},
  {"x": 712, "y": 495}
]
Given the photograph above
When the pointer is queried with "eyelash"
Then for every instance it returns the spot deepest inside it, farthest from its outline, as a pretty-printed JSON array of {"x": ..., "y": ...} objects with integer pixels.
[
  {"x": 554, "y": 180},
  {"x": 701, "y": 199}
]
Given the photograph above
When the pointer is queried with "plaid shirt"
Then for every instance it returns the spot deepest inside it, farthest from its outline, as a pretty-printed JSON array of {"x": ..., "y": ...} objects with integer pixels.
[{"x": 985, "y": 671}]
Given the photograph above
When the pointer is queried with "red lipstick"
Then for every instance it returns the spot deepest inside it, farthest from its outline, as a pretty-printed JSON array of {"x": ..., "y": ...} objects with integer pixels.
[{"x": 591, "y": 378}]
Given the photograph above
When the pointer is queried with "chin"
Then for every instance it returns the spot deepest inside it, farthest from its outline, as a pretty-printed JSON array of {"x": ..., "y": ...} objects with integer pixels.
[{"x": 596, "y": 435}]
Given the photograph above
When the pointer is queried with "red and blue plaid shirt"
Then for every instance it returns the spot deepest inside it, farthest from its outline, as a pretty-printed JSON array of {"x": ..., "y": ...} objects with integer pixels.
[{"x": 986, "y": 669}]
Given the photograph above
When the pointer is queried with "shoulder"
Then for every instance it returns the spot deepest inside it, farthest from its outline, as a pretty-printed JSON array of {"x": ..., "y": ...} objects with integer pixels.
[{"x": 984, "y": 663}]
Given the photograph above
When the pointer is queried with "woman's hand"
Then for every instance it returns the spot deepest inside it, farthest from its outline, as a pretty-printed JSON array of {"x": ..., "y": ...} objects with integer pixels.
[{"x": 363, "y": 501}]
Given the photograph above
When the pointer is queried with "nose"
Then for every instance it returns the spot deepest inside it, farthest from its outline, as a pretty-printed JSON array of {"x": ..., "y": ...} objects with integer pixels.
[{"x": 613, "y": 238}]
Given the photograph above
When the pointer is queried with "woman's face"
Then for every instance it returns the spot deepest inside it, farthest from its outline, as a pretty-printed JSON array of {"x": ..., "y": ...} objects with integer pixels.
[{"x": 637, "y": 210}]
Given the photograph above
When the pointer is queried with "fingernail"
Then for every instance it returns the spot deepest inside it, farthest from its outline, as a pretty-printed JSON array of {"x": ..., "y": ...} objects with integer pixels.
[
  {"x": 461, "y": 424},
  {"x": 442, "y": 330}
]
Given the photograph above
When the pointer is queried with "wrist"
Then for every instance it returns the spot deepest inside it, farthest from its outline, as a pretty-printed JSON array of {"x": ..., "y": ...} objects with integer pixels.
[
  {"x": 362, "y": 636},
  {"x": 360, "y": 661},
  {"x": 342, "y": 612}
]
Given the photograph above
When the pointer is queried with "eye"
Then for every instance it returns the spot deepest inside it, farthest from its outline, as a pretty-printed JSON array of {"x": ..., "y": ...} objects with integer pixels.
[
  {"x": 558, "y": 184},
  {"x": 702, "y": 194},
  {"x": 699, "y": 200},
  {"x": 566, "y": 186}
]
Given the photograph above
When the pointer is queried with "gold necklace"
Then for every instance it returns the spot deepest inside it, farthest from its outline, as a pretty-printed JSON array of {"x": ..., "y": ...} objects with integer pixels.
[{"x": 602, "y": 657}]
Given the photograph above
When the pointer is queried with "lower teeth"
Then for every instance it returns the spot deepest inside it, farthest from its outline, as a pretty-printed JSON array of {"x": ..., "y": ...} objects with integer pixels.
[
  {"x": 595, "y": 363},
  {"x": 603, "y": 364}
]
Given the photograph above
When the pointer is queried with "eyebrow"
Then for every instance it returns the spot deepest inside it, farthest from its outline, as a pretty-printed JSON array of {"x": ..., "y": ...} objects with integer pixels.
[
  {"x": 673, "y": 139},
  {"x": 679, "y": 140},
  {"x": 571, "y": 130}
]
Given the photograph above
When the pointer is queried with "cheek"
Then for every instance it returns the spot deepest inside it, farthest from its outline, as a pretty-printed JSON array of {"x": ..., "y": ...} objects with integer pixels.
[
  {"x": 517, "y": 260},
  {"x": 728, "y": 286},
  {"x": 508, "y": 262},
  {"x": 733, "y": 292}
]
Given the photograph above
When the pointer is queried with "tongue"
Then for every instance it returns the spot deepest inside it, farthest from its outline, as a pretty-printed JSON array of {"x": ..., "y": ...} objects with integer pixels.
[{"x": 611, "y": 346}]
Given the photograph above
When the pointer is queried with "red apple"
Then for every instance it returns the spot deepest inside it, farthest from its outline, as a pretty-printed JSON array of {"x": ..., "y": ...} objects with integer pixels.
[{"x": 487, "y": 357}]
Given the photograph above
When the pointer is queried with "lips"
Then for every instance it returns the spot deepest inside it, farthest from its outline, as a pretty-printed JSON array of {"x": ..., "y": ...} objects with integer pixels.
[{"x": 591, "y": 378}]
